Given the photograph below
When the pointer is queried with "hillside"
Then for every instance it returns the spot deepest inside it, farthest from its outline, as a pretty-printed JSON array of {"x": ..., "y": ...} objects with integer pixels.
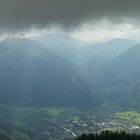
[
  {"x": 102, "y": 53},
  {"x": 116, "y": 79},
  {"x": 32, "y": 75},
  {"x": 86, "y": 57}
]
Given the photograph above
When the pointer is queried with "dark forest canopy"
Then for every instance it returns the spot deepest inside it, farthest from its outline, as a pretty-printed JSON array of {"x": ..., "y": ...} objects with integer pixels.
[{"x": 109, "y": 135}]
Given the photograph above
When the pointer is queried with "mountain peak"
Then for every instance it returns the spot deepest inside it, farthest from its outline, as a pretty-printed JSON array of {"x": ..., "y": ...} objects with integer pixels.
[{"x": 14, "y": 41}]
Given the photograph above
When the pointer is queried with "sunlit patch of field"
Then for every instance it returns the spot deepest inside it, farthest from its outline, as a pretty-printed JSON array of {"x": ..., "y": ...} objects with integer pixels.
[{"x": 132, "y": 116}]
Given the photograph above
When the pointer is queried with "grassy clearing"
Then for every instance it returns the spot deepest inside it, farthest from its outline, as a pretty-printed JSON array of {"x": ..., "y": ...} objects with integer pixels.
[
  {"x": 129, "y": 115},
  {"x": 55, "y": 112},
  {"x": 26, "y": 117}
]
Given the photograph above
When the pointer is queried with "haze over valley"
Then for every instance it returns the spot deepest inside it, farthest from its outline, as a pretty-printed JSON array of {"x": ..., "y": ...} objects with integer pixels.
[
  {"x": 69, "y": 69},
  {"x": 67, "y": 82}
]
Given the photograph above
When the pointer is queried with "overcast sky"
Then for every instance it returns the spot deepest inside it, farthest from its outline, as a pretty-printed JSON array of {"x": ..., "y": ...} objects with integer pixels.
[{"x": 89, "y": 20}]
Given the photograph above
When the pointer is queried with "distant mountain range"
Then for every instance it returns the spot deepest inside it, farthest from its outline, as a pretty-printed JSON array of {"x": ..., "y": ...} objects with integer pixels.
[
  {"x": 87, "y": 57},
  {"x": 33, "y": 75},
  {"x": 100, "y": 54},
  {"x": 56, "y": 70},
  {"x": 117, "y": 78}
]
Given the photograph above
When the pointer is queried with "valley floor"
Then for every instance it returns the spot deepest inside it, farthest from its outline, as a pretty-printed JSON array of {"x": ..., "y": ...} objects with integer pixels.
[{"x": 63, "y": 123}]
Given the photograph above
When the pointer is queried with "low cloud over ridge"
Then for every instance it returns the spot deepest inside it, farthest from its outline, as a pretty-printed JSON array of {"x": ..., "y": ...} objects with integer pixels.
[{"x": 23, "y": 14}]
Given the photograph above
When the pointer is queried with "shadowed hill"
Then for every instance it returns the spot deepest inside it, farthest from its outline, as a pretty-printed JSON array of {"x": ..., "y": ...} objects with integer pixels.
[
  {"x": 32, "y": 75},
  {"x": 115, "y": 79}
]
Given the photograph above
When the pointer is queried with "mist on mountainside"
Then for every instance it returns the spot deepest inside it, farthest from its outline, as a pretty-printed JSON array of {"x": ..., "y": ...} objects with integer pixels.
[
  {"x": 69, "y": 69},
  {"x": 66, "y": 87}
]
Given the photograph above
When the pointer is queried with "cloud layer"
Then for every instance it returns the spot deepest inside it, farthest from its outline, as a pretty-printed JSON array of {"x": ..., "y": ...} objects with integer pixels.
[{"x": 24, "y": 14}]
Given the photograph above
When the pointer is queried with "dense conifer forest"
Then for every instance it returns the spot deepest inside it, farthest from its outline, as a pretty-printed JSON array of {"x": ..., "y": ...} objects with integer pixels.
[{"x": 109, "y": 135}]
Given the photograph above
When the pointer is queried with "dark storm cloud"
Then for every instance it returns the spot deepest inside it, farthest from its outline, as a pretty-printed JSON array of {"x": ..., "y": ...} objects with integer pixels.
[{"x": 23, "y": 14}]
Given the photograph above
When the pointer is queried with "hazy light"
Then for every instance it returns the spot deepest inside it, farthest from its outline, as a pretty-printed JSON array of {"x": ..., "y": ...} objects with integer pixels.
[
  {"x": 89, "y": 32},
  {"x": 101, "y": 32}
]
